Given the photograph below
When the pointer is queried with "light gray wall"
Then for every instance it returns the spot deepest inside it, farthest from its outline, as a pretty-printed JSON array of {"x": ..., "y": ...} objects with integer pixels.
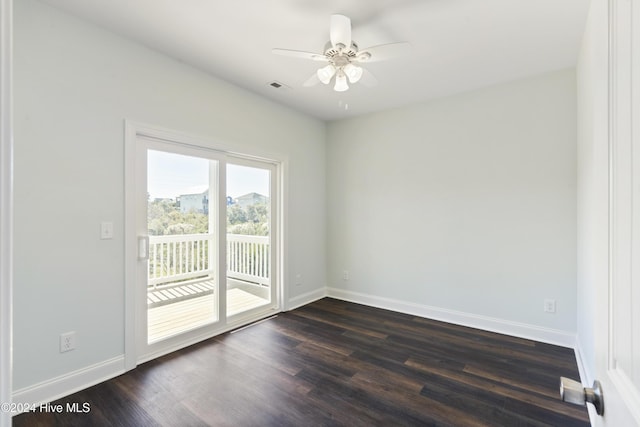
[
  {"x": 74, "y": 87},
  {"x": 466, "y": 203}
]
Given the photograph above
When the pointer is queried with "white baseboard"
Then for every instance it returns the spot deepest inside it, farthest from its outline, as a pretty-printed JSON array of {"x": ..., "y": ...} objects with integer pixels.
[
  {"x": 64, "y": 385},
  {"x": 507, "y": 327},
  {"x": 585, "y": 375},
  {"x": 586, "y": 378},
  {"x": 306, "y": 298}
]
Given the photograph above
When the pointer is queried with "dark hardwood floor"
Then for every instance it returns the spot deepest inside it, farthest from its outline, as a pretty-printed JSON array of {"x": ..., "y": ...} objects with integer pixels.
[{"x": 338, "y": 363}]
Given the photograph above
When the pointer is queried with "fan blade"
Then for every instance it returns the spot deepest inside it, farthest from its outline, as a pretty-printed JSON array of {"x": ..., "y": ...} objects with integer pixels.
[
  {"x": 383, "y": 52},
  {"x": 340, "y": 30},
  {"x": 300, "y": 54},
  {"x": 368, "y": 79},
  {"x": 312, "y": 81}
]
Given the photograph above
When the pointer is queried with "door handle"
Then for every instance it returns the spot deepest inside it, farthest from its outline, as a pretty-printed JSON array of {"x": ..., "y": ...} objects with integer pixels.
[
  {"x": 143, "y": 248},
  {"x": 572, "y": 391}
]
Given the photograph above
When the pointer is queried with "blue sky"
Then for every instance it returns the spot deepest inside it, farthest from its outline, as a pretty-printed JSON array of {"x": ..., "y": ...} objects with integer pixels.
[{"x": 170, "y": 175}]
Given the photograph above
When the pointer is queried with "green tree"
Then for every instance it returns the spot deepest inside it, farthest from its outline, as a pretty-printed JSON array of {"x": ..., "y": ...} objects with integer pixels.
[
  {"x": 164, "y": 218},
  {"x": 252, "y": 220},
  {"x": 236, "y": 215}
]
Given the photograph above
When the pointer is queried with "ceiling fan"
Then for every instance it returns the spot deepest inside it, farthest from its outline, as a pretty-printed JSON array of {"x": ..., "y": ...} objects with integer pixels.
[{"x": 344, "y": 58}]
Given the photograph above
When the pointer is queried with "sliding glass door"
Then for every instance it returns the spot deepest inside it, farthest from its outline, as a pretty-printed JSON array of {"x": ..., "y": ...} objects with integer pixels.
[{"x": 206, "y": 257}]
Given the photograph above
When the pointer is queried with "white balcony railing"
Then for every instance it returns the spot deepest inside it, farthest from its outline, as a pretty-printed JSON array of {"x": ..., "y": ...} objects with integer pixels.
[
  {"x": 178, "y": 257},
  {"x": 248, "y": 258},
  {"x": 188, "y": 256}
]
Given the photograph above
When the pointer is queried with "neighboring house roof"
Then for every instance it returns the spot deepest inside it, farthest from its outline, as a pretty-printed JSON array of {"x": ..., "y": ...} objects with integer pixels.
[{"x": 252, "y": 196}]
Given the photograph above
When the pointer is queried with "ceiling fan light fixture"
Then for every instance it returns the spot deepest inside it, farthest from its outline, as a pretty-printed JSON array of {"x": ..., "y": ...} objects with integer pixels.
[
  {"x": 326, "y": 73},
  {"x": 341, "y": 82},
  {"x": 343, "y": 58},
  {"x": 353, "y": 72},
  {"x": 363, "y": 56}
]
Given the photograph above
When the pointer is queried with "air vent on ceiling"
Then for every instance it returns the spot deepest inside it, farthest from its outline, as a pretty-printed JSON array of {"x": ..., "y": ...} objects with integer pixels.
[{"x": 278, "y": 85}]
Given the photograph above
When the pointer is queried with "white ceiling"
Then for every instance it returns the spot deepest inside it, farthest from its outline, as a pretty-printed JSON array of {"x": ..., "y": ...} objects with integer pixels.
[{"x": 457, "y": 45}]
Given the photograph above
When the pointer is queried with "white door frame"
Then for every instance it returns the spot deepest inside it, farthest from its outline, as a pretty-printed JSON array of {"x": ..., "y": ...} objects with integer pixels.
[
  {"x": 133, "y": 131},
  {"x": 6, "y": 208},
  {"x": 615, "y": 316}
]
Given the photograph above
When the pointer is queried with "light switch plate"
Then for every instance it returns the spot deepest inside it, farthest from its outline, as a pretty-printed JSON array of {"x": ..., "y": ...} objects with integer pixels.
[{"x": 106, "y": 230}]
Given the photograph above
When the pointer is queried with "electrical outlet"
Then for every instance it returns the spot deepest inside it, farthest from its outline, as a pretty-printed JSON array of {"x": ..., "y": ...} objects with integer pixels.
[
  {"x": 345, "y": 275},
  {"x": 549, "y": 306},
  {"x": 67, "y": 341}
]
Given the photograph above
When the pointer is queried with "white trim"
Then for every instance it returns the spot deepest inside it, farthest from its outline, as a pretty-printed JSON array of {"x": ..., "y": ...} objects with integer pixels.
[
  {"x": 491, "y": 324},
  {"x": 6, "y": 207},
  {"x": 202, "y": 142},
  {"x": 70, "y": 383},
  {"x": 130, "y": 247},
  {"x": 306, "y": 298},
  {"x": 586, "y": 377},
  {"x": 283, "y": 235}
]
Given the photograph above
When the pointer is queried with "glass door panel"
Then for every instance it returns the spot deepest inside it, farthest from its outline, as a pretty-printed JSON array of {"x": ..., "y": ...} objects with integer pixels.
[
  {"x": 181, "y": 290},
  {"x": 249, "y": 255}
]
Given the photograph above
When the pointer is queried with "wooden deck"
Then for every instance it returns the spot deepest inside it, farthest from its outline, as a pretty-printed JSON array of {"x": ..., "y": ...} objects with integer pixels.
[
  {"x": 163, "y": 295},
  {"x": 183, "y": 314}
]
